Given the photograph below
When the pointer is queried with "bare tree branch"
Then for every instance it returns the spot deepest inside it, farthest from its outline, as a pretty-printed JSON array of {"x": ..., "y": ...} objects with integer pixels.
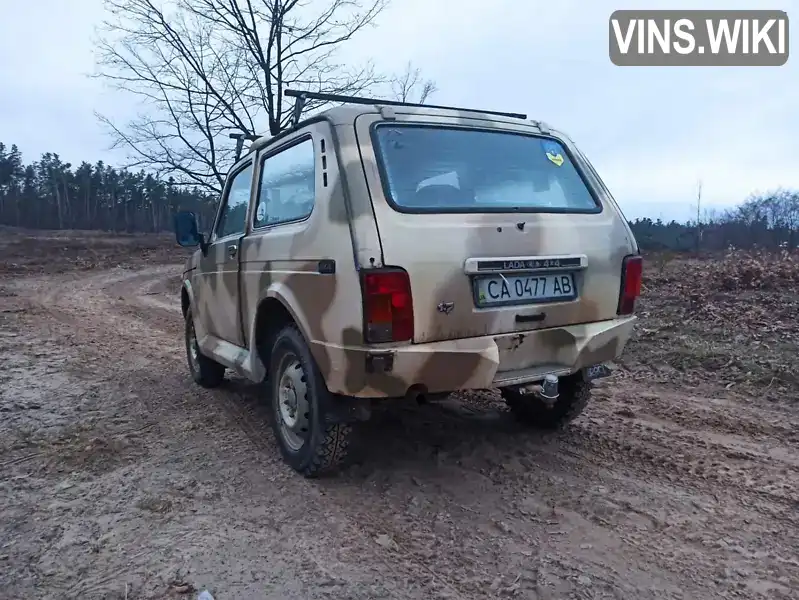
[
  {"x": 205, "y": 67},
  {"x": 411, "y": 87}
]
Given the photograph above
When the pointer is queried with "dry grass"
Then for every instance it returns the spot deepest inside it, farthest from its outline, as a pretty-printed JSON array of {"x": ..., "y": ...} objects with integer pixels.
[
  {"x": 51, "y": 252},
  {"x": 729, "y": 319}
]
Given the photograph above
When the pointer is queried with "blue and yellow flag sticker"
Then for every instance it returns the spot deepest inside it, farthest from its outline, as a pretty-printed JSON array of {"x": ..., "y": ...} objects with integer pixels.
[{"x": 553, "y": 152}]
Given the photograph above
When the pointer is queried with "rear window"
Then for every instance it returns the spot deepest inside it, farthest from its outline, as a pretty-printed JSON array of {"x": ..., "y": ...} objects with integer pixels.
[{"x": 441, "y": 169}]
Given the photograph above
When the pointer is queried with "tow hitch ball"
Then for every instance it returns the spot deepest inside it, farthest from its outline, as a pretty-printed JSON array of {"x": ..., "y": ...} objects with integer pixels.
[{"x": 547, "y": 390}]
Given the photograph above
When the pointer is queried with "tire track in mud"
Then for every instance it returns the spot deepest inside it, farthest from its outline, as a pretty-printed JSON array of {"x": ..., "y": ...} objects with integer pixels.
[
  {"x": 252, "y": 417},
  {"x": 731, "y": 415},
  {"x": 749, "y": 460},
  {"x": 596, "y": 451},
  {"x": 122, "y": 305},
  {"x": 119, "y": 303},
  {"x": 91, "y": 315},
  {"x": 68, "y": 302},
  {"x": 630, "y": 506},
  {"x": 668, "y": 541},
  {"x": 246, "y": 414}
]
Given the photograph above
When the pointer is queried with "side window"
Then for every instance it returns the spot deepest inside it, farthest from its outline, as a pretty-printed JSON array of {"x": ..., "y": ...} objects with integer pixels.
[
  {"x": 288, "y": 185},
  {"x": 234, "y": 209}
]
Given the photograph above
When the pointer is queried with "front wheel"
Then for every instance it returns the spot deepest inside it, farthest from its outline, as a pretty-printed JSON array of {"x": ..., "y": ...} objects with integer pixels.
[
  {"x": 205, "y": 371},
  {"x": 574, "y": 394},
  {"x": 309, "y": 443}
]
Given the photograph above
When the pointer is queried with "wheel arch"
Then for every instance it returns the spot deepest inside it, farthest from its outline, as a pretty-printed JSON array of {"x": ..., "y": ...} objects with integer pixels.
[
  {"x": 186, "y": 297},
  {"x": 274, "y": 311}
]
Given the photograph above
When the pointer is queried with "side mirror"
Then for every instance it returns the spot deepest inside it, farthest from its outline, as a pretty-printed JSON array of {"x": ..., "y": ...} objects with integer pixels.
[{"x": 187, "y": 232}]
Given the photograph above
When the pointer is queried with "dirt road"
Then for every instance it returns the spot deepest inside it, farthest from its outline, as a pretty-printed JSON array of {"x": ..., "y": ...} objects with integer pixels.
[{"x": 122, "y": 479}]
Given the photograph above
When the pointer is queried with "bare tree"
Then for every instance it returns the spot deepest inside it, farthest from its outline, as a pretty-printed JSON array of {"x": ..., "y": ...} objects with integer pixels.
[
  {"x": 411, "y": 86},
  {"x": 207, "y": 68}
]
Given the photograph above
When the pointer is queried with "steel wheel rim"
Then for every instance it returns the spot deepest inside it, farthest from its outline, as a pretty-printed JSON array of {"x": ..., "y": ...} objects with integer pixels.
[{"x": 292, "y": 402}]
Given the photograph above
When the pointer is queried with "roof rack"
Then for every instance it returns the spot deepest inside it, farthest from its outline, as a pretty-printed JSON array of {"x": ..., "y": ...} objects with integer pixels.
[
  {"x": 240, "y": 137},
  {"x": 302, "y": 96}
]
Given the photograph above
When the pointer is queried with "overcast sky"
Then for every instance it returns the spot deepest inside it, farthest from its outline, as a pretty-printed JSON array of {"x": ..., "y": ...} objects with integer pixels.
[{"x": 651, "y": 132}]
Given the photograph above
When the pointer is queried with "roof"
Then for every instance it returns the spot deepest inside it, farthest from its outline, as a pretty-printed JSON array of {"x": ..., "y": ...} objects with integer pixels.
[{"x": 346, "y": 113}]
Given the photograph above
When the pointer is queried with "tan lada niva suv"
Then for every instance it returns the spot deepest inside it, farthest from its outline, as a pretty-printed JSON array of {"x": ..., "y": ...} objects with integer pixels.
[{"x": 382, "y": 250}]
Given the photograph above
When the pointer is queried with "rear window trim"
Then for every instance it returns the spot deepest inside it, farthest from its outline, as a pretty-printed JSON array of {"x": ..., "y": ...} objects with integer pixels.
[{"x": 381, "y": 167}]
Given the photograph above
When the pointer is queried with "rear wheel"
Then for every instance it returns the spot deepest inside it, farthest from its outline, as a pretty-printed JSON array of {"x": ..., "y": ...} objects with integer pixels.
[
  {"x": 309, "y": 443},
  {"x": 206, "y": 372},
  {"x": 574, "y": 394}
]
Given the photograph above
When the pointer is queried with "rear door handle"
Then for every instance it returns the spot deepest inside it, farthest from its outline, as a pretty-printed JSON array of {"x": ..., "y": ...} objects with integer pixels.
[{"x": 232, "y": 249}]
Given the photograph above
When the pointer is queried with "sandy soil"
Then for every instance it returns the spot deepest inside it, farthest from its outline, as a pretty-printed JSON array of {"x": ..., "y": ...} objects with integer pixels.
[{"x": 119, "y": 478}]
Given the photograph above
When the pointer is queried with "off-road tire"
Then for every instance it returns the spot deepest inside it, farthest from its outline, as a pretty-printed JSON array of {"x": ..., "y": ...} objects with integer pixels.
[
  {"x": 205, "y": 371},
  {"x": 575, "y": 392},
  {"x": 327, "y": 445}
]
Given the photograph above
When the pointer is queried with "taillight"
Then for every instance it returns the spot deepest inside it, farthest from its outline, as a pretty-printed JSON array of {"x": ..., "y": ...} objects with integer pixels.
[
  {"x": 387, "y": 305},
  {"x": 631, "y": 274}
]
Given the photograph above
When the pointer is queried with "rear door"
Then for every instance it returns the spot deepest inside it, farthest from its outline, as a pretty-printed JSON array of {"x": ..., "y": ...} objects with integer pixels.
[{"x": 499, "y": 230}]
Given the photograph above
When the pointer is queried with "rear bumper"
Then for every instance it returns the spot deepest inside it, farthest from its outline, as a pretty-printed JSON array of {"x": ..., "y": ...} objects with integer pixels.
[{"x": 472, "y": 363}]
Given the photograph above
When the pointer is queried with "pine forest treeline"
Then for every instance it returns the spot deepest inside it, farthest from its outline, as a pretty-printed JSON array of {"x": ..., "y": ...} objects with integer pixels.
[{"x": 52, "y": 194}]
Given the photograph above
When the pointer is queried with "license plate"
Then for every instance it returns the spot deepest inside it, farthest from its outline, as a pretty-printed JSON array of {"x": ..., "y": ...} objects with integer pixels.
[
  {"x": 497, "y": 290},
  {"x": 597, "y": 372}
]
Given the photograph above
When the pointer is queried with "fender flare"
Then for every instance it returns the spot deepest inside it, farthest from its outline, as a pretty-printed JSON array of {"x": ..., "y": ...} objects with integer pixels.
[{"x": 282, "y": 294}]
